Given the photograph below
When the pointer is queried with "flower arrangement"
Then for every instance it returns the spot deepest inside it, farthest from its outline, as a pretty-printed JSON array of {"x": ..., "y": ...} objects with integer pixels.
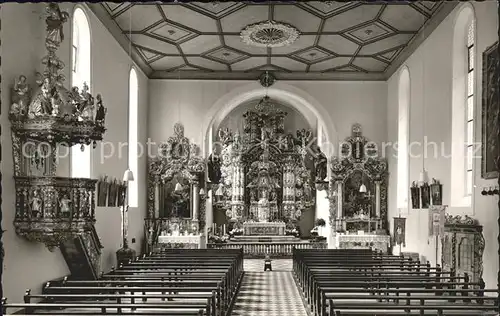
[
  {"x": 292, "y": 232},
  {"x": 218, "y": 239},
  {"x": 236, "y": 232},
  {"x": 320, "y": 222}
]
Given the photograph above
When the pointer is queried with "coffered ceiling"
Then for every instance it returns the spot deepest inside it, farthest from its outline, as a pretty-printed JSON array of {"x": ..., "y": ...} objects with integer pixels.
[{"x": 338, "y": 40}]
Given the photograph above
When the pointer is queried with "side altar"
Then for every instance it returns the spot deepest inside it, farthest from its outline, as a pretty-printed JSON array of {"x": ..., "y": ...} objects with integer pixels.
[{"x": 358, "y": 195}]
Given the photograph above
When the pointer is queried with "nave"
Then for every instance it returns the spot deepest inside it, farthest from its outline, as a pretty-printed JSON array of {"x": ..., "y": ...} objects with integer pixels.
[{"x": 220, "y": 283}]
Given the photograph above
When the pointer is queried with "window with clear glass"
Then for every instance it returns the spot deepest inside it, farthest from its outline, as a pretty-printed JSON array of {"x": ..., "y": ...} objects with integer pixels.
[
  {"x": 133, "y": 188},
  {"x": 469, "y": 116},
  {"x": 80, "y": 74}
]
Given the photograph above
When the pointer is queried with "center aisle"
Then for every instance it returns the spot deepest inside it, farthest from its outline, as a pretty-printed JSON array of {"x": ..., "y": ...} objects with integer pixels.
[{"x": 268, "y": 293}]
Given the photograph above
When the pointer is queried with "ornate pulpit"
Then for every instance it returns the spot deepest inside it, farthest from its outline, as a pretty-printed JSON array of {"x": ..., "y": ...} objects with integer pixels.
[{"x": 57, "y": 211}]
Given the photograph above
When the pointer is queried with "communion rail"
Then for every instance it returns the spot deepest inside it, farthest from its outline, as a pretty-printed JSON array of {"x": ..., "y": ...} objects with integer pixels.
[{"x": 274, "y": 249}]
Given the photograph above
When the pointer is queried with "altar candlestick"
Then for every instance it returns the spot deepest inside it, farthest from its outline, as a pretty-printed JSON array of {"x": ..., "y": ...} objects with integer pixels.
[{"x": 224, "y": 229}]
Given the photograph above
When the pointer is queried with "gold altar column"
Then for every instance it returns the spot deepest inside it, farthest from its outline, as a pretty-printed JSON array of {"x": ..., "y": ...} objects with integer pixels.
[
  {"x": 196, "y": 201},
  {"x": 339, "y": 199},
  {"x": 377, "y": 198},
  {"x": 157, "y": 201},
  {"x": 237, "y": 190}
]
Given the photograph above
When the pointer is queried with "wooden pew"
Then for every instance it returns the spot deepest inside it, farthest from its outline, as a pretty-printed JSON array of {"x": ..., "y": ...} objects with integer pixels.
[
  {"x": 332, "y": 280},
  {"x": 197, "y": 283}
]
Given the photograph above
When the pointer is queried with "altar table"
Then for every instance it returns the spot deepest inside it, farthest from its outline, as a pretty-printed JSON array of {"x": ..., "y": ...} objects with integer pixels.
[
  {"x": 182, "y": 241},
  {"x": 376, "y": 242},
  {"x": 264, "y": 228}
]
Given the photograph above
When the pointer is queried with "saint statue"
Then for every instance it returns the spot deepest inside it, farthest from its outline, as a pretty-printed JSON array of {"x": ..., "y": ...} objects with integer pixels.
[
  {"x": 101, "y": 111},
  {"x": 307, "y": 191},
  {"x": 36, "y": 204},
  {"x": 64, "y": 205},
  {"x": 214, "y": 171},
  {"x": 20, "y": 96},
  {"x": 320, "y": 165}
]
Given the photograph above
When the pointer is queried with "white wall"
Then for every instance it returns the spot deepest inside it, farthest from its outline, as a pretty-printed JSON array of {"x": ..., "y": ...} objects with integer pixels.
[
  {"x": 28, "y": 265},
  {"x": 430, "y": 69},
  {"x": 190, "y": 101}
]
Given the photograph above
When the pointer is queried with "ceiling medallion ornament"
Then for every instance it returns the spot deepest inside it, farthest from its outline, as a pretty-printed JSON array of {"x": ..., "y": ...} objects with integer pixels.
[{"x": 269, "y": 34}]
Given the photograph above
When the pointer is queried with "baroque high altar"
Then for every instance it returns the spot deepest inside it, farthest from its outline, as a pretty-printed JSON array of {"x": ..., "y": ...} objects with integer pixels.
[{"x": 261, "y": 178}]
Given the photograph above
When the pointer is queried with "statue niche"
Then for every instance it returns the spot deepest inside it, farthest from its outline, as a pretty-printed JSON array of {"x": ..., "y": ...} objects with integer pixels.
[{"x": 174, "y": 198}]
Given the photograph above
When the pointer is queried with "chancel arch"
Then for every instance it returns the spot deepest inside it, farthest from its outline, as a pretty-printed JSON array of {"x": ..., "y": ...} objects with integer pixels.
[{"x": 280, "y": 92}]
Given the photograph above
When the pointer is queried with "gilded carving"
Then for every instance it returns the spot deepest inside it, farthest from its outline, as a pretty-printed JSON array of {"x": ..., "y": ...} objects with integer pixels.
[
  {"x": 52, "y": 209},
  {"x": 178, "y": 161},
  {"x": 359, "y": 159}
]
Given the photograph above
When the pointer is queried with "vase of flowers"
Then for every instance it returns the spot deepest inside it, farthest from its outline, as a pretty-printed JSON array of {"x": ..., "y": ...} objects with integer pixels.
[{"x": 320, "y": 223}]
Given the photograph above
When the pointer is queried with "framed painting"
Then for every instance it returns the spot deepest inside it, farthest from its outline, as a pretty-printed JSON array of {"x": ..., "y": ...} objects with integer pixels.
[{"x": 490, "y": 109}]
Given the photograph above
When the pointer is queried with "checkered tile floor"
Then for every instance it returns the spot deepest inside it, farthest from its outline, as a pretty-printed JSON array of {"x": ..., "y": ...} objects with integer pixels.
[{"x": 268, "y": 293}]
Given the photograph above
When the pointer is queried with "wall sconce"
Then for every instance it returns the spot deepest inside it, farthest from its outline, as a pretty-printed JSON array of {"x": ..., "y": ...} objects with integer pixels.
[{"x": 128, "y": 175}]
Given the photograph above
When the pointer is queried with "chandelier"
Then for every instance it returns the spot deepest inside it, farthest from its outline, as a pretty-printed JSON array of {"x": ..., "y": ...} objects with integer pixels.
[{"x": 269, "y": 34}]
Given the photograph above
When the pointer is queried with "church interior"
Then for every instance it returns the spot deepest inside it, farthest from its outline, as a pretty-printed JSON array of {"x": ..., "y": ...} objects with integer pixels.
[{"x": 219, "y": 158}]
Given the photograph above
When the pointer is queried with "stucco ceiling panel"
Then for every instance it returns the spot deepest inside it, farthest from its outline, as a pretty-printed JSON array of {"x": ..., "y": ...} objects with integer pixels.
[
  {"x": 338, "y": 44},
  {"x": 235, "y": 42},
  {"x": 113, "y": 7},
  {"x": 216, "y": 9},
  {"x": 330, "y": 63},
  {"x": 386, "y": 44},
  {"x": 148, "y": 55},
  {"x": 351, "y": 18},
  {"x": 138, "y": 17},
  {"x": 302, "y": 42},
  {"x": 326, "y": 8},
  {"x": 369, "y": 64},
  {"x": 200, "y": 44},
  {"x": 237, "y": 21},
  {"x": 332, "y": 34},
  {"x": 300, "y": 19},
  {"x": 287, "y": 63},
  {"x": 206, "y": 63},
  {"x": 167, "y": 63},
  {"x": 249, "y": 63},
  {"x": 154, "y": 44},
  {"x": 189, "y": 18},
  {"x": 225, "y": 55},
  {"x": 403, "y": 18}
]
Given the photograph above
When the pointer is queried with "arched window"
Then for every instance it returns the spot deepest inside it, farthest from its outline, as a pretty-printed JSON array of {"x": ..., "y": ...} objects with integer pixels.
[
  {"x": 80, "y": 76},
  {"x": 133, "y": 188},
  {"x": 463, "y": 108},
  {"x": 469, "y": 117},
  {"x": 403, "y": 138}
]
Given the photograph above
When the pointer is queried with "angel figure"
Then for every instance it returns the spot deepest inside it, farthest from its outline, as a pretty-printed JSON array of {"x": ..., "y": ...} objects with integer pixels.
[
  {"x": 87, "y": 98},
  {"x": 21, "y": 96},
  {"x": 55, "y": 20}
]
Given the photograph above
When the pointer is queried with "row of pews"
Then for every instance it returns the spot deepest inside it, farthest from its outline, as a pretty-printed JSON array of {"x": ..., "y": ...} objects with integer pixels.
[
  {"x": 174, "y": 282},
  {"x": 342, "y": 282}
]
